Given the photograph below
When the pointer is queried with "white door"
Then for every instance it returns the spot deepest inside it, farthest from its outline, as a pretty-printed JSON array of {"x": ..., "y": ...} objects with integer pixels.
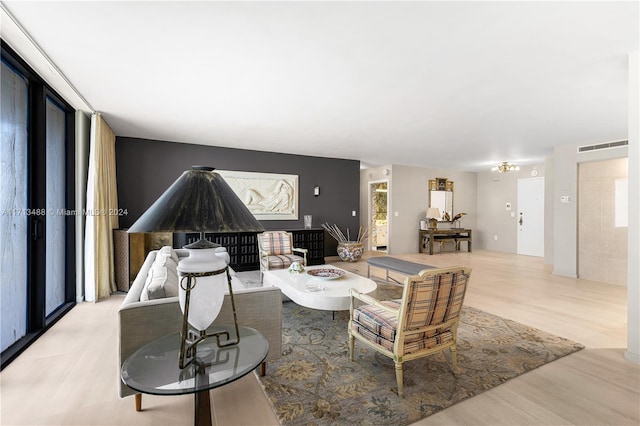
[{"x": 530, "y": 215}]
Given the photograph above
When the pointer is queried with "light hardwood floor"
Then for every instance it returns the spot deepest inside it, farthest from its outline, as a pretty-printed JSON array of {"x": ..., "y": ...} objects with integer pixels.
[{"x": 69, "y": 376}]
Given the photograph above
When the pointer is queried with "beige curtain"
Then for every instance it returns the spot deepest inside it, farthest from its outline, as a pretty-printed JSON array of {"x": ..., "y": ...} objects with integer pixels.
[{"x": 102, "y": 211}]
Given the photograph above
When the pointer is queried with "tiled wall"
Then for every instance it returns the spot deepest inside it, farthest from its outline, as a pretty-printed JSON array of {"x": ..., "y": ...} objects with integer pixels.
[{"x": 602, "y": 246}]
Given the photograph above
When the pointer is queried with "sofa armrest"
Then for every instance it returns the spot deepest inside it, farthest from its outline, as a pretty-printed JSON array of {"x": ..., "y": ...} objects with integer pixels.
[{"x": 143, "y": 322}]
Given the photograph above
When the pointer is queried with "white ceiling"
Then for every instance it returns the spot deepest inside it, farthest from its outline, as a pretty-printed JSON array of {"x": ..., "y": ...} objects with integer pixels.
[{"x": 458, "y": 85}]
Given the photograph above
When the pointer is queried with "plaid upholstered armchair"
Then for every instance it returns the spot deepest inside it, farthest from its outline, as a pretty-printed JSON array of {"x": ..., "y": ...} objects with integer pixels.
[
  {"x": 423, "y": 322},
  {"x": 275, "y": 249}
]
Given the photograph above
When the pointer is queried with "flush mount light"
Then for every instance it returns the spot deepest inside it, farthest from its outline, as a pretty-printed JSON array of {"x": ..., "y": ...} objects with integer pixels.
[{"x": 505, "y": 167}]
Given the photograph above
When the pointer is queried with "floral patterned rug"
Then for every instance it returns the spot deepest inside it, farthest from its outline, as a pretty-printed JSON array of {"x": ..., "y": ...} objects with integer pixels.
[{"x": 314, "y": 382}]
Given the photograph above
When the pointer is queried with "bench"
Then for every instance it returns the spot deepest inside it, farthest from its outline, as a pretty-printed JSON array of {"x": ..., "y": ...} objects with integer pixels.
[{"x": 396, "y": 265}]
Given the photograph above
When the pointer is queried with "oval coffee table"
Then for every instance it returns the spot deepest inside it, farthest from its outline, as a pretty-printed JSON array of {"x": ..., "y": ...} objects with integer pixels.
[{"x": 316, "y": 293}]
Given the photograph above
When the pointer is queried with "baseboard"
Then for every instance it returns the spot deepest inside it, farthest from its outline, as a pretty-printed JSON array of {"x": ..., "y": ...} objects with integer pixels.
[{"x": 632, "y": 356}]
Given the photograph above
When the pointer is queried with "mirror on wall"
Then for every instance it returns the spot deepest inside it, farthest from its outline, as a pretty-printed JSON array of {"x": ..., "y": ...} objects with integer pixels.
[{"x": 441, "y": 197}]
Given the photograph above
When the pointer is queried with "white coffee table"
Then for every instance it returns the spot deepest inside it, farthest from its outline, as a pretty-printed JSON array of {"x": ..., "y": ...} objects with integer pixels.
[{"x": 315, "y": 293}]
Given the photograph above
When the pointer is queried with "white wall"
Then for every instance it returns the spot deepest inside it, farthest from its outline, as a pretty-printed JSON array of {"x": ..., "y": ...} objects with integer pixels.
[
  {"x": 633, "y": 272},
  {"x": 495, "y": 190},
  {"x": 408, "y": 198},
  {"x": 565, "y": 215},
  {"x": 548, "y": 211}
]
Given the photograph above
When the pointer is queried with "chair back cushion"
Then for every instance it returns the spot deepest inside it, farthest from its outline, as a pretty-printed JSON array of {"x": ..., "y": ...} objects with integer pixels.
[
  {"x": 433, "y": 298},
  {"x": 276, "y": 243}
]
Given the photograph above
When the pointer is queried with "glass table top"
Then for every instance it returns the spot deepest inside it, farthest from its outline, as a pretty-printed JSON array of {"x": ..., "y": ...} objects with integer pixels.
[{"x": 153, "y": 369}]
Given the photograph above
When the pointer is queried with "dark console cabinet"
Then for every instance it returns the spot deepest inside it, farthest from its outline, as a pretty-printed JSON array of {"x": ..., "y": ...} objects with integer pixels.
[
  {"x": 312, "y": 240},
  {"x": 243, "y": 246}
]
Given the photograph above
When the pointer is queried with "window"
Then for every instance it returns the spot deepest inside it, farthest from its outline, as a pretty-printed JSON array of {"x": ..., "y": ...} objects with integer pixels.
[{"x": 37, "y": 186}]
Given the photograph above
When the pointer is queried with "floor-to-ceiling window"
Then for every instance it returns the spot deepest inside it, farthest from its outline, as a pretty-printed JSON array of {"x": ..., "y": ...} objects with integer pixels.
[
  {"x": 13, "y": 200},
  {"x": 36, "y": 206}
]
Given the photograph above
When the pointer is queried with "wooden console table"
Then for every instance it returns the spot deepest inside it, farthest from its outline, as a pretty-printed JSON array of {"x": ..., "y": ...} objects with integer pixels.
[{"x": 427, "y": 237}]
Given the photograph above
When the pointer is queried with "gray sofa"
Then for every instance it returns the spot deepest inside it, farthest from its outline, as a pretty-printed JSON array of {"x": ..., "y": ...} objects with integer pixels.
[{"x": 143, "y": 321}]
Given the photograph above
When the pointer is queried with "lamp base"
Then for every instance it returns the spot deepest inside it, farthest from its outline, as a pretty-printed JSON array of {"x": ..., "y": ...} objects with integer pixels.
[{"x": 190, "y": 337}]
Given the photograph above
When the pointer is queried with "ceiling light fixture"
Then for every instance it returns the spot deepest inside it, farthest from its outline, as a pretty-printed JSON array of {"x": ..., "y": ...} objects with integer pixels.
[{"x": 505, "y": 167}]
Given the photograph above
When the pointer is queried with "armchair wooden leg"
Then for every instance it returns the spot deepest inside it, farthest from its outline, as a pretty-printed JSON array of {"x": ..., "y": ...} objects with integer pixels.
[
  {"x": 263, "y": 369},
  {"x": 399, "y": 379},
  {"x": 454, "y": 359},
  {"x": 351, "y": 344},
  {"x": 138, "y": 402}
]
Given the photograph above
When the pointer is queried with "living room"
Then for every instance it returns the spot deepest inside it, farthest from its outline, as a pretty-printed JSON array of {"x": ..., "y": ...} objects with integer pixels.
[{"x": 150, "y": 155}]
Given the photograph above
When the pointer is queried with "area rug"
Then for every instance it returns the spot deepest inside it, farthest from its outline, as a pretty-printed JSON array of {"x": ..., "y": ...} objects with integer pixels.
[{"x": 314, "y": 382}]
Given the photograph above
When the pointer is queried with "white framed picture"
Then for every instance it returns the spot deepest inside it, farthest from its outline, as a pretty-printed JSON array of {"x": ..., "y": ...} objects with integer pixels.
[{"x": 269, "y": 196}]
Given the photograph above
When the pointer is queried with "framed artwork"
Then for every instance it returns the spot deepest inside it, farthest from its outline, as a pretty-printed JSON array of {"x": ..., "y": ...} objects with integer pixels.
[{"x": 269, "y": 196}]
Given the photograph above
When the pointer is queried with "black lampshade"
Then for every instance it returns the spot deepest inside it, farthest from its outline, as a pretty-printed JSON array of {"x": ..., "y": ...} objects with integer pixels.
[{"x": 198, "y": 201}]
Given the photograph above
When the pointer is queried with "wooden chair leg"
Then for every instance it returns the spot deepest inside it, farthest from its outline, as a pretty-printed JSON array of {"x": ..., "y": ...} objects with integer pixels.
[
  {"x": 138, "y": 402},
  {"x": 454, "y": 359},
  {"x": 351, "y": 344},
  {"x": 263, "y": 369},
  {"x": 399, "y": 379}
]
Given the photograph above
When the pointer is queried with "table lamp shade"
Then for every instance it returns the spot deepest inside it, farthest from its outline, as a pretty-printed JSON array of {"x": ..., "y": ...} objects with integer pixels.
[
  {"x": 198, "y": 201},
  {"x": 433, "y": 213}
]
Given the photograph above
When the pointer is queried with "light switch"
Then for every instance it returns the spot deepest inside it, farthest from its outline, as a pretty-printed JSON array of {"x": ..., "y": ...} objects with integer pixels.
[
  {"x": 353, "y": 213},
  {"x": 513, "y": 214},
  {"x": 396, "y": 214},
  {"x": 508, "y": 206}
]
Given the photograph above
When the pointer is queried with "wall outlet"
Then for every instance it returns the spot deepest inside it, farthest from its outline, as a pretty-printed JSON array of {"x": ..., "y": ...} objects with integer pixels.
[
  {"x": 495, "y": 238},
  {"x": 396, "y": 214},
  {"x": 565, "y": 198},
  {"x": 513, "y": 214}
]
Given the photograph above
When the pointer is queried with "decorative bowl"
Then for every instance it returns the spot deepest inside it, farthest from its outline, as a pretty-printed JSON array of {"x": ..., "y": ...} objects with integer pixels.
[{"x": 326, "y": 273}]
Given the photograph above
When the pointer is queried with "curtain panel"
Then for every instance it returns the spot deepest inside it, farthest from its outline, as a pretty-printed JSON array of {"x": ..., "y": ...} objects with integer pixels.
[{"x": 101, "y": 213}]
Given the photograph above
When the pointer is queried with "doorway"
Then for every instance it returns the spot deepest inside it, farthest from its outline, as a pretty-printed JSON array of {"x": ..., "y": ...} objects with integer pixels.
[
  {"x": 530, "y": 220},
  {"x": 378, "y": 215}
]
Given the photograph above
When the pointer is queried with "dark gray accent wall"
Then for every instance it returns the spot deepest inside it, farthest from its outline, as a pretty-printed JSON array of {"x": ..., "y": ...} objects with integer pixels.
[{"x": 146, "y": 168}]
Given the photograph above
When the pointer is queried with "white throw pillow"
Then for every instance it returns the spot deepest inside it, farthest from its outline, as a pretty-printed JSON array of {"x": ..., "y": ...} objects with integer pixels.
[
  {"x": 170, "y": 251},
  {"x": 162, "y": 280}
]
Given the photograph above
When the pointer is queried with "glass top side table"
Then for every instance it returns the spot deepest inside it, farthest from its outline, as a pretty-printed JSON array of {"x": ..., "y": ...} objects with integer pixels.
[{"x": 153, "y": 369}]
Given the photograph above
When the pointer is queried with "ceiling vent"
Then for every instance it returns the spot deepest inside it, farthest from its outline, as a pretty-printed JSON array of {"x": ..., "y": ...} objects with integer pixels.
[{"x": 598, "y": 147}]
